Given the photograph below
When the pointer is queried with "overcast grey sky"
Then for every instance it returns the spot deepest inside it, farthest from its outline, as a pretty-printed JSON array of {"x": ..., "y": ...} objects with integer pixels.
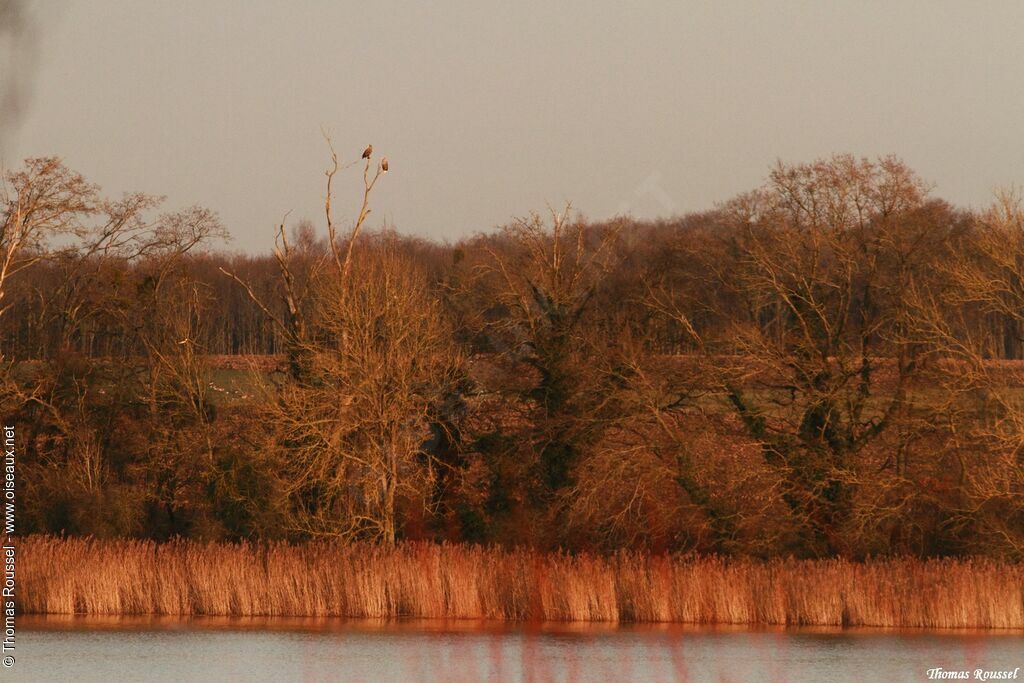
[{"x": 487, "y": 110}]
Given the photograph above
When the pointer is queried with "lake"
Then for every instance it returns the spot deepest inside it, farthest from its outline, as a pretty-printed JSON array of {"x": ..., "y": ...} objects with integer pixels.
[{"x": 217, "y": 649}]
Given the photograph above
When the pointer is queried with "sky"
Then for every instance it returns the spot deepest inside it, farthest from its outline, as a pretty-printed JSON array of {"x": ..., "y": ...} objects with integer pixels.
[{"x": 488, "y": 110}]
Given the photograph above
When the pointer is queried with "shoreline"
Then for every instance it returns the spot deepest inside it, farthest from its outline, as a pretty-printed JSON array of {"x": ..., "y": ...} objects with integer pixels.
[{"x": 448, "y": 625}]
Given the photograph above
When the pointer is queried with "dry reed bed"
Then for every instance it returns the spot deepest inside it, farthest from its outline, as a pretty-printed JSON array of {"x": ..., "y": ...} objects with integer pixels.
[{"x": 82, "y": 575}]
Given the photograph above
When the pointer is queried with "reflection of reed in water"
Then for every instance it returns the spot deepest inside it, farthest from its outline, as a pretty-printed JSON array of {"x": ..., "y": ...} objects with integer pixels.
[{"x": 76, "y": 575}]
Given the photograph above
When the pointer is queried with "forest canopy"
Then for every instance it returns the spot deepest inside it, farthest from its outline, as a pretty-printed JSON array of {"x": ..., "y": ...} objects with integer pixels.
[{"x": 827, "y": 365}]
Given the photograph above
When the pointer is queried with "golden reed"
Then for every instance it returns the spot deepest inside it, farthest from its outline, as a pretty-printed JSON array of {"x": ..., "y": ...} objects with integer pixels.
[{"x": 89, "y": 576}]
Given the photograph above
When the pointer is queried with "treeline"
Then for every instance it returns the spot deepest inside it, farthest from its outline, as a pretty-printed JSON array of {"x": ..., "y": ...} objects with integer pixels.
[
  {"x": 234, "y": 324},
  {"x": 820, "y": 367},
  {"x": 37, "y": 324}
]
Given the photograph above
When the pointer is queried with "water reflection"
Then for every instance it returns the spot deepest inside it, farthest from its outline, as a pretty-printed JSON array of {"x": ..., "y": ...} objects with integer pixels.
[{"x": 161, "y": 648}]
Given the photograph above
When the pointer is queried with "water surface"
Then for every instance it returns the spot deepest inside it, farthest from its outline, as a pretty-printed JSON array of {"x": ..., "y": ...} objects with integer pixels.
[{"x": 213, "y": 649}]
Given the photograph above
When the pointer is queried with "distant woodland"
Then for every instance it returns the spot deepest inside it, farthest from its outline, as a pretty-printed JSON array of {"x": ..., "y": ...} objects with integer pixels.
[{"x": 827, "y": 365}]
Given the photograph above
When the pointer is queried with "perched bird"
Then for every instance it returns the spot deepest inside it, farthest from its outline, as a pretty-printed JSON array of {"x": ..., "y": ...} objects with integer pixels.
[
  {"x": 384, "y": 164},
  {"x": 368, "y": 151}
]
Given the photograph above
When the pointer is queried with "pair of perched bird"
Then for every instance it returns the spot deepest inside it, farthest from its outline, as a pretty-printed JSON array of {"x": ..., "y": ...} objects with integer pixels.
[{"x": 368, "y": 152}]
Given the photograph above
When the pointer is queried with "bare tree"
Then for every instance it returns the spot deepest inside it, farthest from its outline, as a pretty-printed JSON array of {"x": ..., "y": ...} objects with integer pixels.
[
  {"x": 983, "y": 415},
  {"x": 41, "y": 201},
  {"x": 354, "y": 433},
  {"x": 823, "y": 257},
  {"x": 529, "y": 297},
  {"x": 369, "y": 356},
  {"x": 298, "y": 270},
  {"x": 112, "y": 267}
]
